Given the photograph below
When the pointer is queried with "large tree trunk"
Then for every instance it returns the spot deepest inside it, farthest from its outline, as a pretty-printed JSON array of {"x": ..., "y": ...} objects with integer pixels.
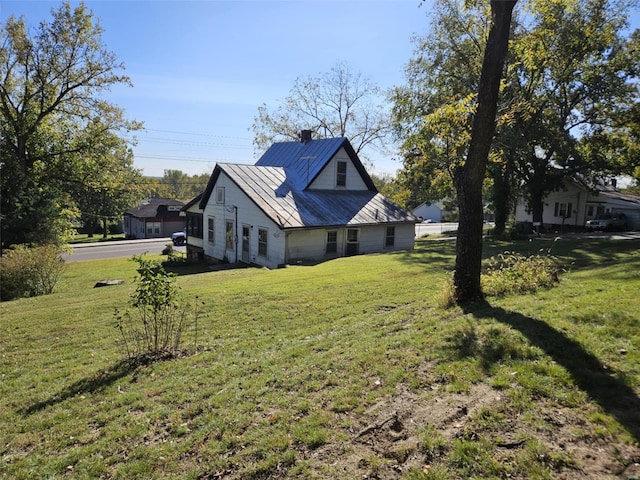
[{"x": 468, "y": 178}]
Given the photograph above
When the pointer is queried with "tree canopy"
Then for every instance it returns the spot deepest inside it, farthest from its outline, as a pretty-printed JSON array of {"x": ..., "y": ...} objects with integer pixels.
[
  {"x": 339, "y": 103},
  {"x": 569, "y": 98},
  {"x": 54, "y": 120}
]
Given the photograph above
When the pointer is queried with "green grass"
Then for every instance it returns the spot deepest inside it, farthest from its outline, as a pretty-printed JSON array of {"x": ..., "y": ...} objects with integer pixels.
[
  {"x": 97, "y": 237},
  {"x": 292, "y": 362}
]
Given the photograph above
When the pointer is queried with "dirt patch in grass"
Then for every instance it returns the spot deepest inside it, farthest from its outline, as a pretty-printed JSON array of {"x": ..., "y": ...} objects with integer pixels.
[{"x": 407, "y": 434}]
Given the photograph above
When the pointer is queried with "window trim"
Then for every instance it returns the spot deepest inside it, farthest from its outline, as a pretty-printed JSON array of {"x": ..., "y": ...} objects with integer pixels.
[
  {"x": 334, "y": 243},
  {"x": 211, "y": 229},
  {"x": 391, "y": 236},
  {"x": 220, "y": 195},
  {"x": 341, "y": 177},
  {"x": 229, "y": 235},
  {"x": 263, "y": 243}
]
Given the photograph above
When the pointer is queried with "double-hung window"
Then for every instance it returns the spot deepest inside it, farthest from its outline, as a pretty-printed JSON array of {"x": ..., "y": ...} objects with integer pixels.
[
  {"x": 390, "y": 237},
  {"x": 210, "y": 229},
  {"x": 262, "y": 242}
]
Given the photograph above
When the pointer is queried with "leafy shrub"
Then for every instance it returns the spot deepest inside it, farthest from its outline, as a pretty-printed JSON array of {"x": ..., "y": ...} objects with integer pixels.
[
  {"x": 153, "y": 327},
  {"x": 30, "y": 271},
  {"x": 511, "y": 272}
]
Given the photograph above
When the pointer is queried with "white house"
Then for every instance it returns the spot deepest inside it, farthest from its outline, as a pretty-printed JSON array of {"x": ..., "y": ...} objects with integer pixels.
[
  {"x": 434, "y": 211},
  {"x": 302, "y": 201},
  {"x": 573, "y": 204}
]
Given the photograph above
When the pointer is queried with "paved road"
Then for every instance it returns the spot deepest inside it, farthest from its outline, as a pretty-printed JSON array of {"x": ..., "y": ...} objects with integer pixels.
[
  {"x": 434, "y": 228},
  {"x": 122, "y": 248}
]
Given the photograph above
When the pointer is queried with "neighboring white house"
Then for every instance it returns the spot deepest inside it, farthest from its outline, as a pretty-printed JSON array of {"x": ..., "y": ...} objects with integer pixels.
[
  {"x": 433, "y": 211},
  {"x": 573, "y": 204},
  {"x": 302, "y": 201}
]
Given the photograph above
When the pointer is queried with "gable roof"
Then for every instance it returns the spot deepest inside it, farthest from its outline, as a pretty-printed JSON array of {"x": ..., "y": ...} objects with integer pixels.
[
  {"x": 156, "y": 207},
  {"x": 289, "y": 207},
  {"x": 304, "y": 161}
]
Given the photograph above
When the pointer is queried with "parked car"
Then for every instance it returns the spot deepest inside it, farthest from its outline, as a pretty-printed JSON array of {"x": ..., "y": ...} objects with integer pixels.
[
  {"x": 608, "y": 221},
  {"x": 179, "y": 238}
]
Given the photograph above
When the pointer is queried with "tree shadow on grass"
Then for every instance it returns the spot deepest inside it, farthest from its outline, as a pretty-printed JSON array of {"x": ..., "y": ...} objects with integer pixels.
[
  {"x": 612, "y": 394},
  {"x": 101, "y": 380}
]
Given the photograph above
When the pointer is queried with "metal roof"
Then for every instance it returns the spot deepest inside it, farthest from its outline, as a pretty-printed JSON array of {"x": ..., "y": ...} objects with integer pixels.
[
  {"x": 272, "y": 191},
  {"x": 303, "y": 161}
]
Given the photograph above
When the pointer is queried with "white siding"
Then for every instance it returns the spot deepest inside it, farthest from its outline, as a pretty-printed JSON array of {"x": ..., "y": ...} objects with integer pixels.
[
  {"x": 240, "y": 210},
  {"x": 311, "y": 244},
  {"x": 326, "y": 180}
]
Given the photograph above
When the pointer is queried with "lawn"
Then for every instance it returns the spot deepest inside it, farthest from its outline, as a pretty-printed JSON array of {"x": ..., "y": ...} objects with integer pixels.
[{"x": 346, "y": 369}]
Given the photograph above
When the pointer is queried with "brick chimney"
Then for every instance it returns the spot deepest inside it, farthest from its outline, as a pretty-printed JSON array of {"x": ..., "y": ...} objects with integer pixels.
[{"x": 305, "y": 136}]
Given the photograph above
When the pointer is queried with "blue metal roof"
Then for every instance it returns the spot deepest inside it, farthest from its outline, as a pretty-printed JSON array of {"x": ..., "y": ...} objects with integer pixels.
[
  {"x": 278, "y": 183},
  {"x": 303, "y": 161}
]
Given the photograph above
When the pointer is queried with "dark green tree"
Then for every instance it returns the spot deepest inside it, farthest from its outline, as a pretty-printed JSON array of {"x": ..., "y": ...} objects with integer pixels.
[{"x": 50, "y": 91}]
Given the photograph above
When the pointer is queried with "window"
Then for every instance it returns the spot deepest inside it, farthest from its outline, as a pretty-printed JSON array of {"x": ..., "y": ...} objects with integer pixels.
[
  {"x": 332, "y": 242},
  {"x": 220, "y": 195},
  {"x": 262, "y": 242},
  {"x": 153, "y": 228},
  {"x": 194, "y": 225},
  {"x": 390, "y": 237},
  {"x": 210, "y": 231},
  {"x": 353, "y": 245},
  {"x": 229, "y": 235},
  {"x": 341, "y": 177},
  {"x": 562, "y": 210}
]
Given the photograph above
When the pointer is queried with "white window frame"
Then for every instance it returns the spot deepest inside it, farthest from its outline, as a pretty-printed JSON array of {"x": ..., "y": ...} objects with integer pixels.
[
  {"x": 220, "y": 195},
  {"x": 391, "y": 228},
  {"x": 334, "y": 243},
  {"x": 211, "y": 222},
  {"x": 263, "y": 244},
  {"x": 341, "y": 177}
]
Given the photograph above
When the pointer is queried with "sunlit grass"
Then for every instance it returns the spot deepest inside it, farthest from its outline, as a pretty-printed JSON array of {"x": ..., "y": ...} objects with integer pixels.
[{"x": 290, "y": 360}]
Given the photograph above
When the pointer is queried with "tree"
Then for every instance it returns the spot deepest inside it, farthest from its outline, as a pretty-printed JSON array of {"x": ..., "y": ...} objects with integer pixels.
[
  {"x": 574, "y": 87},
  {"x": 105, "y": 182},
  {"x": 50, "y": 87},
  {"x": 469, "y": 176},
  {"x": 339, "y": 103},
  {"x": 569, "y": 97}
]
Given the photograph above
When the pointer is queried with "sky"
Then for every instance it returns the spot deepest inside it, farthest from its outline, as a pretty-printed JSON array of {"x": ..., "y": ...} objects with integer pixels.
[{"x": 201, "y": 69}]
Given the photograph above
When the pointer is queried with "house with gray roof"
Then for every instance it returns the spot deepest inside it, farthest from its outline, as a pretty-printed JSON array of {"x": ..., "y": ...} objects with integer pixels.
[
  {"x": 154, "y": 218},
  {"x": 301, "y": 201},
  {"x": 574, "y": 202}
]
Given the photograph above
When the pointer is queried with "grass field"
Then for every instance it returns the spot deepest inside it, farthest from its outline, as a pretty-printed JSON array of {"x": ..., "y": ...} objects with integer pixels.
[{"x": 347, "y": 369}]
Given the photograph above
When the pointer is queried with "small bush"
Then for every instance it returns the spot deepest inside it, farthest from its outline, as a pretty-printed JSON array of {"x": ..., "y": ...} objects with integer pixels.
[
  {"x": 30, "y": 271},
  {"x": 153, "y": 327},
  {"x": 510, "y": 273}
]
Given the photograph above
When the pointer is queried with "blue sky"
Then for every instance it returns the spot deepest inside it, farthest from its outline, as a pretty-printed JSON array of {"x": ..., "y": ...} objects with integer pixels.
[{"x": 200, "y": 69}]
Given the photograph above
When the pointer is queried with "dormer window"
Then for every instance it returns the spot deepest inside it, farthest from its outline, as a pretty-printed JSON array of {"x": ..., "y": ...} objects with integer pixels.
[{"x": 341, "y": 174}]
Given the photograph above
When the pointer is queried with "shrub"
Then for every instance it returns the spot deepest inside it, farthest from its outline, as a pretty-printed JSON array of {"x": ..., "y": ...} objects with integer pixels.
[
  {"x": 510, "y": 272},
  {"x": 30, "y": 271},
  {"x": 153, "y": 327}
]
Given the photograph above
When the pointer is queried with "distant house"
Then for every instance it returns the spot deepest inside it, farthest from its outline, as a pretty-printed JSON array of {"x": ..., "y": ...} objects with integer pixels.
[
  {"x": 302, "y": 201},
  {"x": 433, "y": 211},
  {"x": 572, "y": 204},
  {"x": 154, "y": 218}
]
